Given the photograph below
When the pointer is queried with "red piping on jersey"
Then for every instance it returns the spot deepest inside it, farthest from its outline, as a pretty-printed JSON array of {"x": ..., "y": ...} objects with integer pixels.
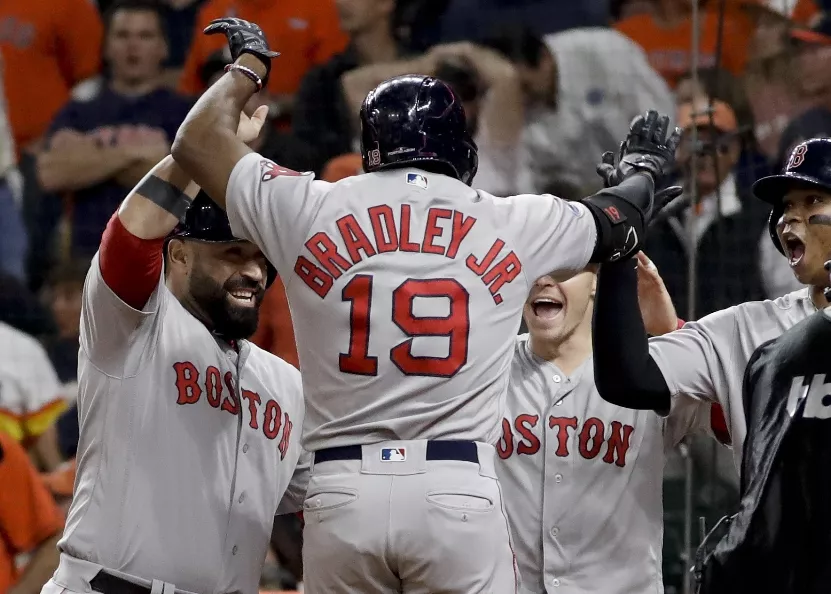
[
  {"x": 131, "y": 266},
  {"x": 680, "y": 324},
  {"x": 718, "y": 424}
]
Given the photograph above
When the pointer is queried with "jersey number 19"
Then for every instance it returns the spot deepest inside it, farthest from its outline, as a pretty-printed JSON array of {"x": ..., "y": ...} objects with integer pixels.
[{"x": 455, "y": 326}]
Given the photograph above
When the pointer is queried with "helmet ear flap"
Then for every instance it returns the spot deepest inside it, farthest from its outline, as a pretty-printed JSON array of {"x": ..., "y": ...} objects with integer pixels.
[{"x": 773, "y": 220}]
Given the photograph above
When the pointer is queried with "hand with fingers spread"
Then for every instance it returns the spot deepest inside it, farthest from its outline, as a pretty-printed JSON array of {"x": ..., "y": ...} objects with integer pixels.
[
  {"x": 244, "y": 37},
  {"x": 648, "y": 148},
  {"x": 657, "y": 309}
]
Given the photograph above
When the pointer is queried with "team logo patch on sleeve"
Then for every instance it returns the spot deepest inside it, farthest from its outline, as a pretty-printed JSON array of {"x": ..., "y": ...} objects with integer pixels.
[
  {"x": 393, "y": 454},
  {"x": 271, "y": 170},
  {"x": 416, "y": 179}
]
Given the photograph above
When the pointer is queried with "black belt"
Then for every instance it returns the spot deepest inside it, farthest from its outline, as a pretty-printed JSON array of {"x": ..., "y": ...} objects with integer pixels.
[
  {"x": 107, "y": 583},
  {"x": 463, "y": 451}
]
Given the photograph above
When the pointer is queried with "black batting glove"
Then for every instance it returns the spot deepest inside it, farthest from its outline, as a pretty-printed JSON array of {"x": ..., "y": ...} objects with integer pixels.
[
  {"x": 646, "y": 149},
  {"x": 244, "y": 37}
]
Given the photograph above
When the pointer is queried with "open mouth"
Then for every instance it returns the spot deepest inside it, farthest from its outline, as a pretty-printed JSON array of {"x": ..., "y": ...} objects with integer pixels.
[
  {"x": 795, "y": 248},
  {"x": 546, "y": 308},
  {"x": 243, "y": 297}
]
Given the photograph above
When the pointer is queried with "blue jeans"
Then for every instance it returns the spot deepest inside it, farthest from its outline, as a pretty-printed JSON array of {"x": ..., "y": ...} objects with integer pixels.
[{"x": 13, "y": 237}]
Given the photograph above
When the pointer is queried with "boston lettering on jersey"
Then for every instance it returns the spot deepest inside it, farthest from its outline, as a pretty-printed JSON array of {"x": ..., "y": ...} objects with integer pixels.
[
  {"x": 591, "y": 438},
  {"x": 190, "y": 385},
  {"x": 385, "y": 236}
]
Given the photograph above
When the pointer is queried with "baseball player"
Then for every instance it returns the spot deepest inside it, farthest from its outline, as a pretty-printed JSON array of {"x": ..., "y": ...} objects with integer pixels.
[
  {"x": 707, "y": 359},
  {"x": 189, "y": 434},
  {"x": 783, "y": 522},
  {"x": 582, "y": 477},
  {"x": 406, "y": 288}
]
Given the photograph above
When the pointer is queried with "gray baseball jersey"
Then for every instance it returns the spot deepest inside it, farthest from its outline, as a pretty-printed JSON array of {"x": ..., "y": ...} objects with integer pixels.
[
  {"x": 707, "y": 359},
  {"x": 582, "y": 480},
  {"x": 187, "y": 446},
  {"x": 405, "y": 289}
]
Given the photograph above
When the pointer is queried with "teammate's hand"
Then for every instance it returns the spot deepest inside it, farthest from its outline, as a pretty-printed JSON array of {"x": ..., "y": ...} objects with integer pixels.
[
  {"x": 249, "y": 126},
  {"x": 648, "y": 148},
  {"x": 244, "y": 37},
  {"x": 657, "y": 310}
]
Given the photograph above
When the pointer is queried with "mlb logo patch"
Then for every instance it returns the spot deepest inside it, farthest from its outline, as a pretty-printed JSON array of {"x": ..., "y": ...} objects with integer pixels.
[
  {"x": 416, "y": 179},
  {"x": 393, "y": 454}
]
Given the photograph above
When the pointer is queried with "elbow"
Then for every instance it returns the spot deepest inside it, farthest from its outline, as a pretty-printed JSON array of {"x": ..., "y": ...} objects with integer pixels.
[{"x": 184, "y": 149}]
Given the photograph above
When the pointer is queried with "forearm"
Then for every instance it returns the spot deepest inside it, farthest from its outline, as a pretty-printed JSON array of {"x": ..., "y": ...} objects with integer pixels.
[
  {"x": 78, "y": 167},
  {"x": 206, "y": 145},
  {"x": 40, "y": 568},
  {"x": 46, "y": 449},
  {"x": 142, "y": 215},
  {"x": 503, "y": 113},
  {"x": 625, "y": 373},
  {"x": 359, "y": 82},
  {"x": 130, "y": 256}
]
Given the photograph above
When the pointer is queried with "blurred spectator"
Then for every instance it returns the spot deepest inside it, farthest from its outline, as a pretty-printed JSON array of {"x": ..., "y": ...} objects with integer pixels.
[
  {"x": 418, "y": 23},
  {"x": 305, "y": 32},
  {"x": 321, "y": 117},
  {"x": 342, "y": 167},
  {"x": 48, "y": 48},
  {"x": 720, "y": 84},
  {"x": 30, "y": 523},
  {"x": 64, "y": 290},
  {"x": 101, "y": 147},
  {"x": 13, "y": 236},
  {"x": 582, "y": 89},
  {"x": 473, "y": 20},
  {"x": 20, "y": 308},
  {"x": 666, "y": 34},
  {"x": 31, "y": 398},
  {"x": 726, "y": 224},
  {"x": 489, "y": 87}
]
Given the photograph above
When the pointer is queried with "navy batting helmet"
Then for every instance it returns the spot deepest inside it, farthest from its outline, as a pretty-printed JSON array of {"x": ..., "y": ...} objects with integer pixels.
[
  {"x": 205, "y": 221},
  {"x": 414, "y": 119},
  {"x": 809, "y": 166}
]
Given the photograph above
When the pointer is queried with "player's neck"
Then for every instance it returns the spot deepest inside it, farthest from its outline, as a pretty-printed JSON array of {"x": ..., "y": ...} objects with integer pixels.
[
  {"x": 567, "y": 354},
  {"x": 818, "y": 297}
]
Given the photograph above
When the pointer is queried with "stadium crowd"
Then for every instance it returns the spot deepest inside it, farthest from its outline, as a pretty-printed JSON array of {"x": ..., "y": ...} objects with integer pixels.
[{"x": 94, "y": 94}]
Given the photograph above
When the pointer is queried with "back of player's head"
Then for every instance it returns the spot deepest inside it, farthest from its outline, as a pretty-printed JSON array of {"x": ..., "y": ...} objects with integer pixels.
[{"x": 418, "y": 121}]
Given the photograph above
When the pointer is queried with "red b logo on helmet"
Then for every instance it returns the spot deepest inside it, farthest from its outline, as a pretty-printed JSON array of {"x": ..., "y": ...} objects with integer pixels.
[{"x": 797, "y": 157}]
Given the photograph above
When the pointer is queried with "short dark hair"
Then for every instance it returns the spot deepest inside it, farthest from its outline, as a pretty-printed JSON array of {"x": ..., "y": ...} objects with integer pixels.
[
  {"x": 153, "y": 6},
  {"x": 69, "y": 272},
  {"x": 517, "y": 43}
]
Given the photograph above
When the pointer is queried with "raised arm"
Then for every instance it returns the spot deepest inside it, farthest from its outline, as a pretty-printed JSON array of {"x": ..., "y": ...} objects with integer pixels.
[
  {"x": 206, "y": 145},
  {"x": 624, "y": 371}
]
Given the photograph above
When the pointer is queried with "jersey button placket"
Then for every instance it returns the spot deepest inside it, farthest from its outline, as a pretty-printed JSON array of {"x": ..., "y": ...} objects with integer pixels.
[{"x": 245, "y": 449}]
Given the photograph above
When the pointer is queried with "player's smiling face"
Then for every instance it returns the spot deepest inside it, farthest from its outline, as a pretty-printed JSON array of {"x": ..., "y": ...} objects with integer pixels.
[
  {"x": 553, "y": 311},
  {"x": 805, "y": 232},
  {"x": 226, "y": 282}
]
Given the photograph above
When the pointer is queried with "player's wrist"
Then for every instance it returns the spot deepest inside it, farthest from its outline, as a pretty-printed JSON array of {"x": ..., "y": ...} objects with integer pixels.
[{"x": 253, "y": 63}]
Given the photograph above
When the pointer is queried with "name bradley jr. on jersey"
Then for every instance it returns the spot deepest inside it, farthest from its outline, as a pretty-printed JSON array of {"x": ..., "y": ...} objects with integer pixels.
[{"x": 331, "y": 263}]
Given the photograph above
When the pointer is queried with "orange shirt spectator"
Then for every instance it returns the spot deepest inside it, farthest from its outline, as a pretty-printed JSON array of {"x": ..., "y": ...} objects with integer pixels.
[
  {"x": 804, "y": 12},
  {"x": 30, "y": 521},
  {"x": 305, "y": 32},
  {"x": 669, "y": 49},
  {"x": 275, "y": 332},
  {"x": 48, "y": 47}
]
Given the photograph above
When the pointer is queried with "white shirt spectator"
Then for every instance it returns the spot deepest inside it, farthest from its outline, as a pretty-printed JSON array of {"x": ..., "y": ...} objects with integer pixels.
[
  {"x": 604, "y": 81},
  {"x": 31, "y": 396}
]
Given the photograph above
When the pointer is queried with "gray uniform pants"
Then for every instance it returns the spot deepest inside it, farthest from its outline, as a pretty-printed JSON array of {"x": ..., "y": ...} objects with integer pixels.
[{"x": 396, "y": 522}]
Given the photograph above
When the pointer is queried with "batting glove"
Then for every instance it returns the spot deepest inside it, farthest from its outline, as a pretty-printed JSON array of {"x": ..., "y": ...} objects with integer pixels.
[{"x": 244, "y": 37}]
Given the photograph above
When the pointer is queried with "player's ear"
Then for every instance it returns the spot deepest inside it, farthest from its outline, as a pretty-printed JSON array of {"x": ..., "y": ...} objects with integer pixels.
[{"x": 177, "y": 252}]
